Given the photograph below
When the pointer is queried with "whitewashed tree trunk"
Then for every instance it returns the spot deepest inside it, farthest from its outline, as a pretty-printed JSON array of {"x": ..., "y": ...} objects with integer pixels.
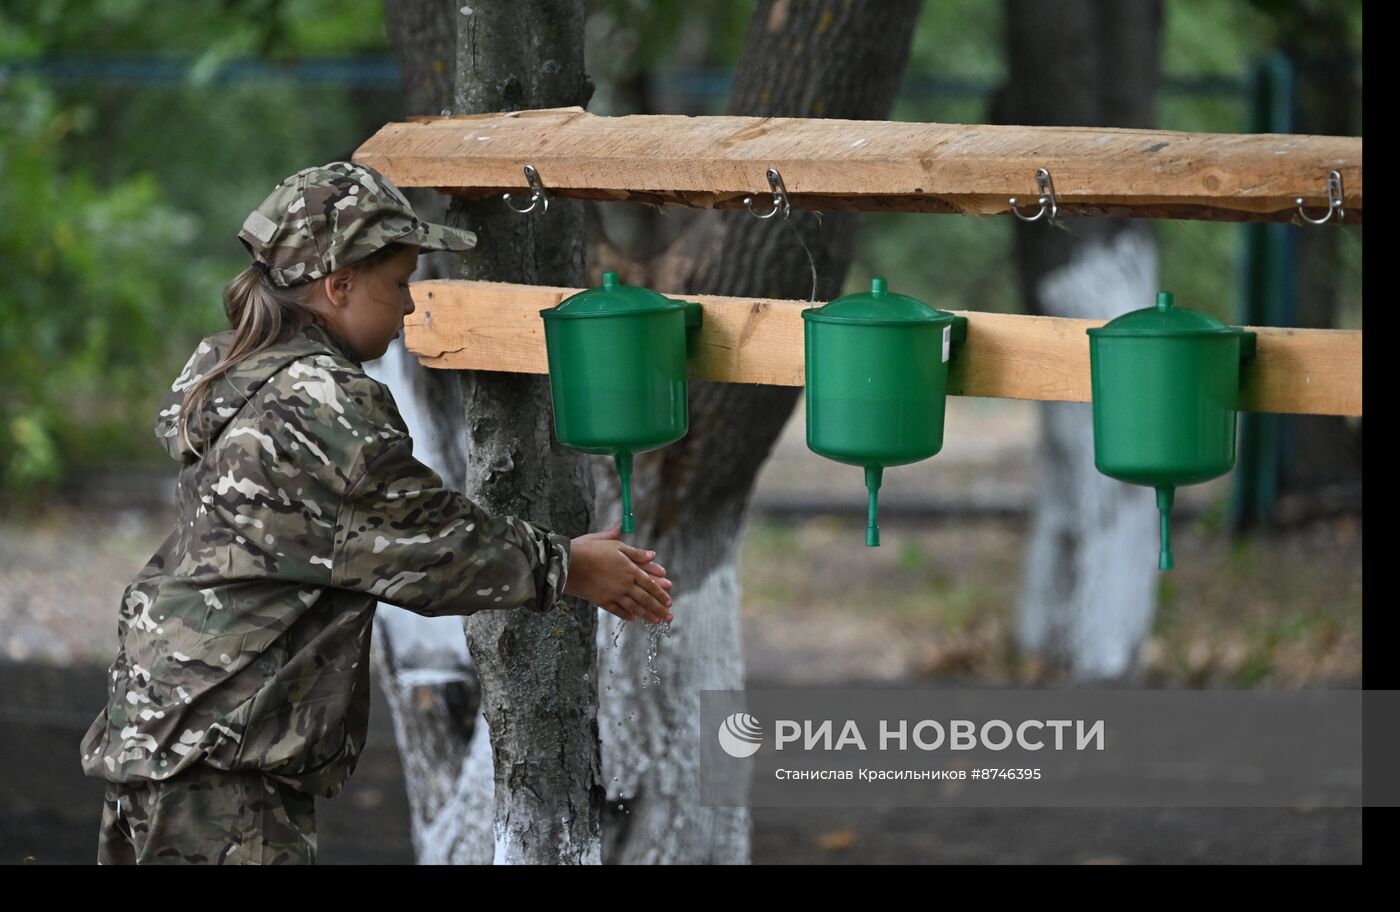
[
  {"x": 427, "y": 674},
  {"x": 540, "y": 775},
  {"x": 1091, "y": 581},
  {"x": 425, "y": 669},
  {"x": 825, "y": 58},
  {"x": 537, "y": 670},
  {"x": 649, "y": 688}
]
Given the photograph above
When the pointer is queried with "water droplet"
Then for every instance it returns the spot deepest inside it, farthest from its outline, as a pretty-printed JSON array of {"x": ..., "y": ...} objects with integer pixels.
[{"x": 654, "y": 635}]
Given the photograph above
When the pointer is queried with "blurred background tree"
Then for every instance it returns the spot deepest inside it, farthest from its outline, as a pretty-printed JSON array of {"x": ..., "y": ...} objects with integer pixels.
[{"x": 90, "y": 267}]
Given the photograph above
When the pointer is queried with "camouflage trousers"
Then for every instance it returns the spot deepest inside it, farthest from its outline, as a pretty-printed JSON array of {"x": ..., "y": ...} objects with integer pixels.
[{"x": 207, "y": 816}]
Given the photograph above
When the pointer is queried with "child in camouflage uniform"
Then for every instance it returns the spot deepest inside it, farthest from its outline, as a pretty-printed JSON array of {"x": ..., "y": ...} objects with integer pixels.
[{"x": 241, "y": 684}]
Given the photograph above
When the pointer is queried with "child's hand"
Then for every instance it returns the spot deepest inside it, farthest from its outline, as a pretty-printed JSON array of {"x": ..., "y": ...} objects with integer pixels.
[{"x": 617, "y": 577}]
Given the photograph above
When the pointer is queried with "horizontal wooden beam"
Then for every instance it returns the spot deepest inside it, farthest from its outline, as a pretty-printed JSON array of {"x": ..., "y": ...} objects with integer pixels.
[
  {"x": 497, "y": 326},
  {"x": 714, "y": 162}
]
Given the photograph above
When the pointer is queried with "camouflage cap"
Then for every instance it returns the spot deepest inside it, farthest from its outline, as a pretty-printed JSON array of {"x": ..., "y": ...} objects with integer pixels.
[{"x": 326, "y": 218}]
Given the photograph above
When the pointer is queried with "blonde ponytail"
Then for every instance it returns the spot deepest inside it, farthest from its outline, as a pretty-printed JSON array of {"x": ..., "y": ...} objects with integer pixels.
[{"x": 261, "y": 315}]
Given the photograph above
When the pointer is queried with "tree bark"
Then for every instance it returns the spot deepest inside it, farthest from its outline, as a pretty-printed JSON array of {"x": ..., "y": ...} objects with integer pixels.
[
  {"x": 1090, "y": 582},
  {"x": 817, "y": 59},
  {"x": 634, "y": 231},
  {"x": 539, "y": 697},
  {"x": 426, "y": 673}
]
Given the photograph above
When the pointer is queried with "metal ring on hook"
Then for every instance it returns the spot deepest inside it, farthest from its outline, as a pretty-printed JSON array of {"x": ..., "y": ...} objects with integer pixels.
[
  {"x": 1048, "y": 205},
  {"x": 780, "y": 197},
  {"x": 538, "y": 197},
  {"x": 1334, "y": 201}
]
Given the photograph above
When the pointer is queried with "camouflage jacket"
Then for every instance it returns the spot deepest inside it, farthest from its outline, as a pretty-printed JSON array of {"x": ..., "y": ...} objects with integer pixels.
[{"x": 244, "y": 643}]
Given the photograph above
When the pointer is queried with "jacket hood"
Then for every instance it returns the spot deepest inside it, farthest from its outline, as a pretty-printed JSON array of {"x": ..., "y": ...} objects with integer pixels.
[{"x": 231, "y": 391}]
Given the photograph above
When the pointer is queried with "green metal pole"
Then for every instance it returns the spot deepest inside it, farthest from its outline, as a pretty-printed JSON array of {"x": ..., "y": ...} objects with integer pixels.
[{"x": 1270, "y": 299}]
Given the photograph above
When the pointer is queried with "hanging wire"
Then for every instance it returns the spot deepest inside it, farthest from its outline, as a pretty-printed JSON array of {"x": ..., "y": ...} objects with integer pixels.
[{"x": 811, "y": 260}]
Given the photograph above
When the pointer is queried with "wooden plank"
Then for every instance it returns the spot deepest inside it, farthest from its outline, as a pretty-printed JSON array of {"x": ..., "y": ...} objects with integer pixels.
[
  {"x": 714, "y": 162},
  {"x": 497, "y": 326}
]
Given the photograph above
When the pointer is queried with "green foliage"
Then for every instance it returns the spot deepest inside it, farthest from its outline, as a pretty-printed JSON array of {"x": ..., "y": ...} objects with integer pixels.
[
  {"x": 961, "y": 38},
  {"x": 218, "y": 30},
  {"x": 119, "y": 205},
  {"x": 88, "y": 269},
  {"x": 1308, "y": 24},
  {"x": 1210, "y": 37}
]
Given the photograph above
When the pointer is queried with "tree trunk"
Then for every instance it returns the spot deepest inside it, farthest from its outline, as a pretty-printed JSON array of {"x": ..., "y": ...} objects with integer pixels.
[
  {"x": 1090, "y": 586},
  {"x": 817, "y": 59},
  {"x": 636, "y": 231},
  {"x": 709, "y": 475},
  {"x": 425, "y": 670},
  {"x": 539, "y": 697}
]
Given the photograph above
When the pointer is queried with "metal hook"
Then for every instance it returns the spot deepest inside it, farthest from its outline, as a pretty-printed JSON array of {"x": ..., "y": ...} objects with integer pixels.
[
  {"x": 1046, "y": 188},
  {"x": 782, "y": 204},
  {"x": 780, "y": 197},
  {"x": 538, "y": 197},
  {"x": 1334, "y": 201}
]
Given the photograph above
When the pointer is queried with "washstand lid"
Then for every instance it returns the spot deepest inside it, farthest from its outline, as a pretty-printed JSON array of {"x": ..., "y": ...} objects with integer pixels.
[
  {"x": 1165, "y": 321},
  {"x": 877, "y": 307},
  {"x": 612, "y": 299}
]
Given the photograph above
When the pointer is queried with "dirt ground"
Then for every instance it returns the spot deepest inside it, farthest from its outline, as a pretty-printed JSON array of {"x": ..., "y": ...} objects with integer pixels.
[{"x": 934, "y": 603}]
